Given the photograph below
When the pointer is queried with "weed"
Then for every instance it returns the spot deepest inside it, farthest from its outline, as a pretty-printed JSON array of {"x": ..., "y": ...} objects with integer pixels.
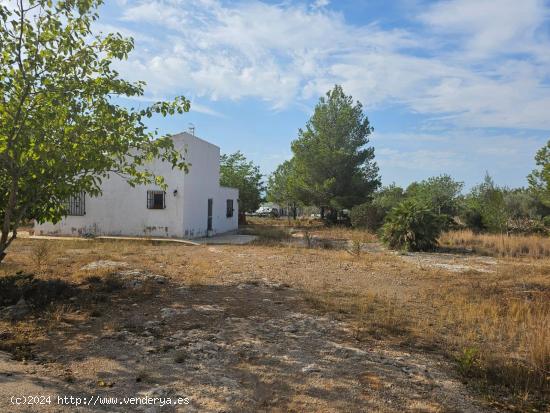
[
  {"x": 308, "y": 239},
  {"x": 355, "y": 247},
  {"x": 468, "y": 361},
  {"x": 41, "y": 252},
  {"x": 57, "y": 313}
]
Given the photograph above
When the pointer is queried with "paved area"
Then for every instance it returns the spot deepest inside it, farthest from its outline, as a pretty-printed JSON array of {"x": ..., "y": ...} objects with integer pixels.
[
  {"x": 232, "y": 239},
  {"x": 24, "y": 234}
]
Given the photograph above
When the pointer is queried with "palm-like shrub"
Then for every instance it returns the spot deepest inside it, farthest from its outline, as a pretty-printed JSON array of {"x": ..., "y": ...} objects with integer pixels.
[{"x": 412, "y": 226}]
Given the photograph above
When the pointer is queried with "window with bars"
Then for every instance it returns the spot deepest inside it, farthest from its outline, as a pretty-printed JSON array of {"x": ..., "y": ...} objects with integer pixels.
[
  {"x": 156, "y": 199},
  {"x": 229, "y": 208},
  {"x": 76, "y": 205}
]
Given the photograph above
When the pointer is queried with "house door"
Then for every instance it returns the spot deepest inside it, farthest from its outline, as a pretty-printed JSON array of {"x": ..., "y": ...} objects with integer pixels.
[{"x": 209, "y": 224}]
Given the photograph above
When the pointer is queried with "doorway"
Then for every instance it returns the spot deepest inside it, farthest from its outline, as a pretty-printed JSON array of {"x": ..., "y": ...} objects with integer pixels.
[{"x": 210, "y": 207}]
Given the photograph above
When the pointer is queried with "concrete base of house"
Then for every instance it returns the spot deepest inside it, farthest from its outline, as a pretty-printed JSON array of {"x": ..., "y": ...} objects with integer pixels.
[
  {"x": 109, "y": 238},
  {"x": 227, "y": 239}
]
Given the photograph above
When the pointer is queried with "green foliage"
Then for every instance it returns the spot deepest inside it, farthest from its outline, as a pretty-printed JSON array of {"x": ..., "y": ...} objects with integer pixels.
[
  {"x": 468, "y": 361},
  {"x": 485, "y": 208},
  {"x": 367, "y": 216},
  {"x": 412, "y": 226},
  {"x": 61, "y": 133},
  {"x": 523, "y": 203},
  {"x": 441, "y": 193},
  {"x": 332, "y": 165},
  {"x": 371, "y": 214},
  {"x": 281, "y": 186},
  {"x": 539, "y": 179},
  {"x": 388, "y": 197},
  {"x": 237, "y": 172}
]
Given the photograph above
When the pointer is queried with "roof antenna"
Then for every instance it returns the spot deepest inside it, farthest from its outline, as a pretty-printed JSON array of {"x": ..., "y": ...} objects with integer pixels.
[{"x": 191, "y": 129}]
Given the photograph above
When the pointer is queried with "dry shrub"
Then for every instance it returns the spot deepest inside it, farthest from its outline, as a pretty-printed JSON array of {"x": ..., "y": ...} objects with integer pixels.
[
  {"x": 533, "y": 246},
  {"x": 57, "y": 313},
  {"x": 41, "y": 253},
  {"x": 268, "y": 235},
  {"x": 308, "y": 239},
  {"x": 355, "y": 247}
]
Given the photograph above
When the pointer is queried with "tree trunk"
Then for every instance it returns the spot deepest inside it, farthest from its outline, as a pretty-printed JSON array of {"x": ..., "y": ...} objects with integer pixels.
[
  {"x": 5, "y": 240},
  {"x": 322, "y": 212}
]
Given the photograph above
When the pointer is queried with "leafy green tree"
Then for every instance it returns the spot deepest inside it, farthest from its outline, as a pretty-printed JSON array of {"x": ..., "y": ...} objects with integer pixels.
[
  {"x": 334, "y": 167},
  {"x": 281, "y": 186},
  {"x": 442, "y": 193},
  {"x": 371, "y": 214},
  {"x": 523, "y": 203},
  {"x": 388, "y": 197},
  {"x": 485, "y": 208},
  {"x": 237, "y": 172},
  {"x": 61, "y": 132},
  {"x": 366, "y": 216},
  {"x": 539, "y": 179},
  {"x": 412, "y": 226}
]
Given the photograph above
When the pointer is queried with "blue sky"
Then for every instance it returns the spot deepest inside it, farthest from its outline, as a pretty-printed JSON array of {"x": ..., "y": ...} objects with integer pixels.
[{"x": 457, "y": 86}]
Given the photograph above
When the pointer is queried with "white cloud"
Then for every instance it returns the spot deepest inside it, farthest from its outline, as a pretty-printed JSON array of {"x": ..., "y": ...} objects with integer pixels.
[
  {"x": 464, "y": 154},
  {"x": 318, "y": 4},
  {"x": 488, "y": 26},
  {"x": 463, "y": 68}
]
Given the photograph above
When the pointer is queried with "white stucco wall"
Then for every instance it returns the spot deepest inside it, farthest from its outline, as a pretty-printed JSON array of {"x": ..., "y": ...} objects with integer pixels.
[
  {"x": 221, "y": 222},
  {"x": 122, "y": 210}
]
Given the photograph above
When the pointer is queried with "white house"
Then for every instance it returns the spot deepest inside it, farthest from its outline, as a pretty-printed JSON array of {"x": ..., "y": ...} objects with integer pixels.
[{"x": 193, "y": 205}]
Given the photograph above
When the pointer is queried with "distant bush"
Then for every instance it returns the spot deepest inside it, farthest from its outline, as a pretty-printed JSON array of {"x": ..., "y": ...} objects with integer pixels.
[
  {"x": 368, "y": 216},
  {"x": 472, "y": 217},
  {"x": 412, "y": 226},
  {"x": 526, "y": 226},
  {"x": 485, "y": 208},
  {"x": 371, "y": 215}
]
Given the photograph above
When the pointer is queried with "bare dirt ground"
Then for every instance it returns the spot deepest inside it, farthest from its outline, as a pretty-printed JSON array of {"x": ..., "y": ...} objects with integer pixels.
[{"x": 232, "y": 328}]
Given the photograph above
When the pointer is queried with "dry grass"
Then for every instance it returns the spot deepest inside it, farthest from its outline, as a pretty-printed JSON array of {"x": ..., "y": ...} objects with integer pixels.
[
  {"x": 494, "y": 325},
  {"x": 497, "y": 327},
  {"x": 285, "y": 222},
  {"x": 533, "y": 246},
  {"x": 345, "y": 233}
]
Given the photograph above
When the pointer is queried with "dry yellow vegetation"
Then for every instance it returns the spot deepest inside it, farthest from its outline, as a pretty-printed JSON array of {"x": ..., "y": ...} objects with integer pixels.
[
  {"x": 489, "y": 317},
  {"x": 501, "y": 245}
]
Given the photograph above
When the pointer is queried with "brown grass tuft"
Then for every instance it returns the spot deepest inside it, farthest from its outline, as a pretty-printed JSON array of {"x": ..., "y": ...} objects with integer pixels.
[{"x": 501, "y": 245}]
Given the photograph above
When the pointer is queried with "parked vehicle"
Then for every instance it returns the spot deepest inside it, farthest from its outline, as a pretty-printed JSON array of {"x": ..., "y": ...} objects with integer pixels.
[{"x": 267, "y": 212}]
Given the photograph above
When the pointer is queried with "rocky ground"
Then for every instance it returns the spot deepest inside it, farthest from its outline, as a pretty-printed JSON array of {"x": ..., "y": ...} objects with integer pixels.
[{"x": 247, "y": 346}]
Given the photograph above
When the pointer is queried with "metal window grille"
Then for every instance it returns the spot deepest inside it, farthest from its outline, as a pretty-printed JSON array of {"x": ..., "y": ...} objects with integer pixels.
[
  {"x": 229, "y": 208},
  {"x": 76, "y": 205},
  {"x": 156, "y": 199}
]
